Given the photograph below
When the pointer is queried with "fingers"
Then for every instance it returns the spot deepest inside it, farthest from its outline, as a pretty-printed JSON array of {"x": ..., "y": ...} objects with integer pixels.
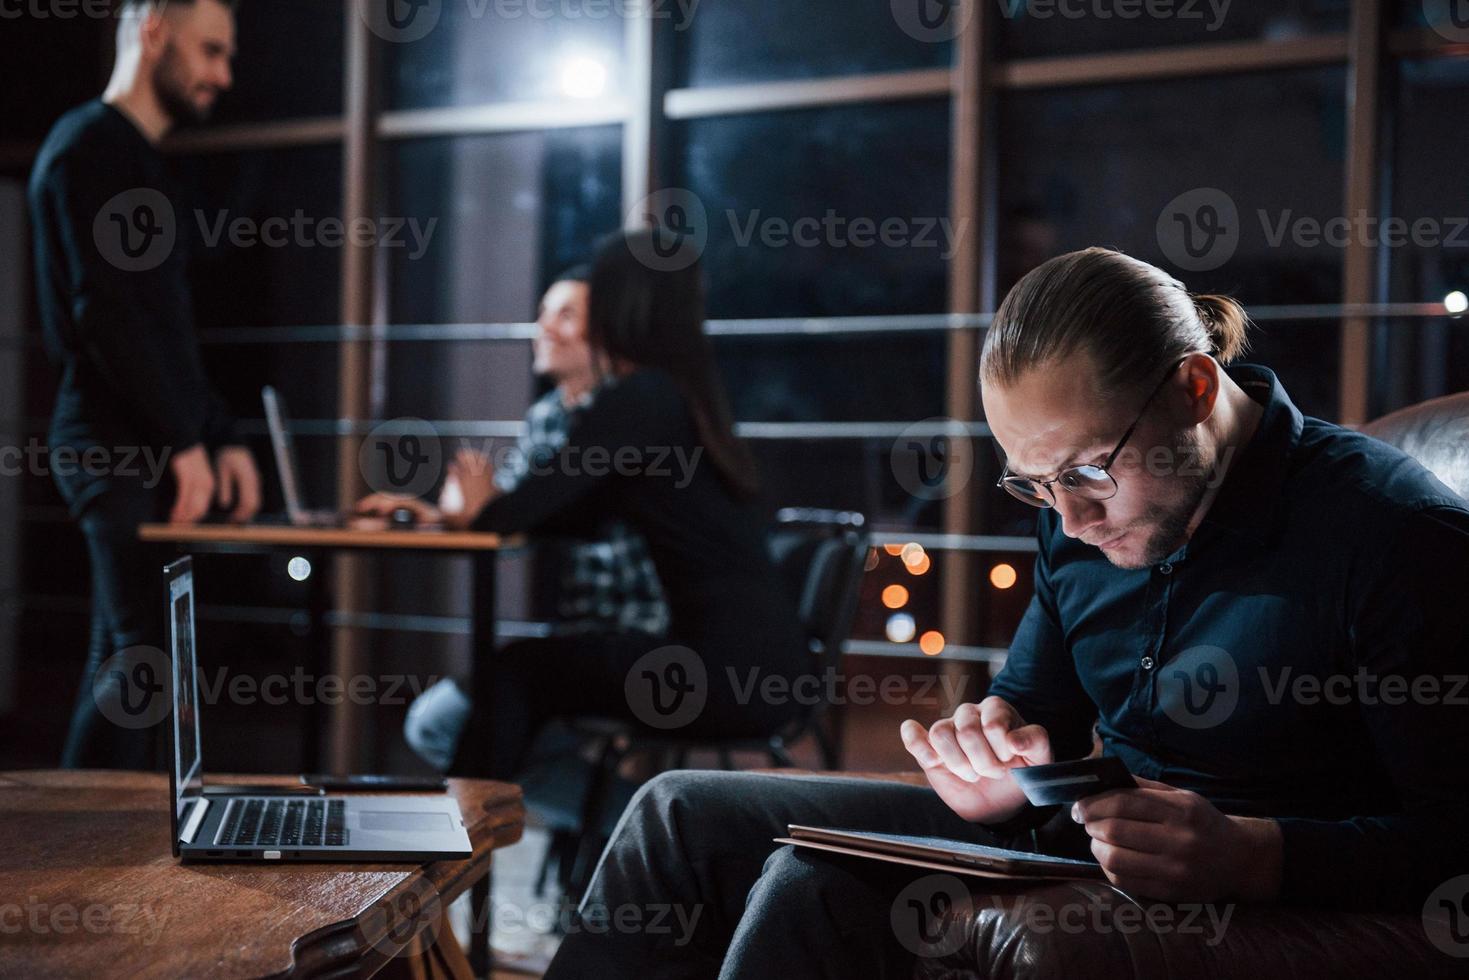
[
  {"x": 191, "y": 502},
  {"x": 998, "y": 718},
  {"x": 247, "y": 496},
  {"x": 1032, "y": 742},
  {"x": 226, "y": 488},
  {"x": 1132, "y": 804},
  {"x": 975, "y": 743},
  {"x": 915, "y": 740},
  {"x": 1126, "y": 863}
]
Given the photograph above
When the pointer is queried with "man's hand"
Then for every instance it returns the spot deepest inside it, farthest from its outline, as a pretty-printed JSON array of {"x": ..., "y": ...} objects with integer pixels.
[
  {"x": 1174, "y": 845},
  {"x": 194, "y": 484},
  {"x": 967, "y": 758},
  {"x": 238, "y": 483},
  {"x": 383, "y": 505}
]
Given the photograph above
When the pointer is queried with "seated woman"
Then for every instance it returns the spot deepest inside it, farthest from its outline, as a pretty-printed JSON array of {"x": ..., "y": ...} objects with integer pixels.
[{"x": 655, "y": 449}]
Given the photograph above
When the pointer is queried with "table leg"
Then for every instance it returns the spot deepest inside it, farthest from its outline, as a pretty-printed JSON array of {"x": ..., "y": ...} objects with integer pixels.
[
  {"x": 482, "y": 647},
  {"x": 319, "y": 654}
]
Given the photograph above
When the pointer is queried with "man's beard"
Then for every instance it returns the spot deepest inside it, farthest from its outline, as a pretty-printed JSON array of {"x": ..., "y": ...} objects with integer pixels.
[
  {"x": 1170, "y": 521},
  {"x": 172, "y": 92}
]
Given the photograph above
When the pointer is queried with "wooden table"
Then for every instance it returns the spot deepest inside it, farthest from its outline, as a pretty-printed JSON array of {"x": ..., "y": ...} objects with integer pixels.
[
  {"x": 89, "y": 888},
  {"x": 483, "y": 550}
]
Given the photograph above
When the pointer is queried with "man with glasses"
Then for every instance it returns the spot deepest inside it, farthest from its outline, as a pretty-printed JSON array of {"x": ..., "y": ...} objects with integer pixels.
[{"x": 1202, "y": 547}]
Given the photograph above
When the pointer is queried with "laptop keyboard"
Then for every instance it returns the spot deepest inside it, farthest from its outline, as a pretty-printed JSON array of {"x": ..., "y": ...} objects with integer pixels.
[{"x": 285, "y": 823}]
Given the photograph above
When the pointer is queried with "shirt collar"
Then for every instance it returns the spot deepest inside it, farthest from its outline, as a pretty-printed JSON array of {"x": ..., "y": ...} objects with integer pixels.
[{"x": 1249, "y": 502}]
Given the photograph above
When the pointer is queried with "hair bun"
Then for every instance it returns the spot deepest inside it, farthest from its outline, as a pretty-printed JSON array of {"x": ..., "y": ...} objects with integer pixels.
[{"x": 1227, "y": 324}]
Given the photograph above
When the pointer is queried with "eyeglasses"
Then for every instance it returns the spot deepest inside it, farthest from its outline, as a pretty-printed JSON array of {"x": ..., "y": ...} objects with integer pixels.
[{"x": 1089, "y": 482}]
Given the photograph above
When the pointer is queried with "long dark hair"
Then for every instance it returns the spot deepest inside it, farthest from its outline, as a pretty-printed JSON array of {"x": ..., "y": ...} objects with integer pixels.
[{"x": 647, "y": 308}]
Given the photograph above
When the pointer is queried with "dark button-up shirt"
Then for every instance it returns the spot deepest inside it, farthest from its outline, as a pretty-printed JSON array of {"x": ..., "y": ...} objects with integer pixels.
[{"x": 1303, "y": 657}]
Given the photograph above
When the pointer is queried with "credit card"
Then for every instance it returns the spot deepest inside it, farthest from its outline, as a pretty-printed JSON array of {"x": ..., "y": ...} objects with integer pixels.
[{"x": 1067, "y": 782}]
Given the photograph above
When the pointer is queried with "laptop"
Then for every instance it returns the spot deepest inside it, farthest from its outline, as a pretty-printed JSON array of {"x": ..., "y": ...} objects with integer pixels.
[
  {"x": 226, "y": 827},
  {"x": 283, "y": 446}
]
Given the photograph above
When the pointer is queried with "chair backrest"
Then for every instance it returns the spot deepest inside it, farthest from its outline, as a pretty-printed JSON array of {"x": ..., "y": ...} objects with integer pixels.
[
  {"x": 1435, "y": 433},
  {"x": 820, "y": 555}
]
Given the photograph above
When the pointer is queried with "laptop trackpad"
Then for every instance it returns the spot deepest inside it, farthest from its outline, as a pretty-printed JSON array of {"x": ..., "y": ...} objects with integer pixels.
[{"x": 402, "y": 820}]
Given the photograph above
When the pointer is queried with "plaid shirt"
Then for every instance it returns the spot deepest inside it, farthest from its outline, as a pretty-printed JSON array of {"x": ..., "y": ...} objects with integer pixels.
[{"x": 607, "y": 584}]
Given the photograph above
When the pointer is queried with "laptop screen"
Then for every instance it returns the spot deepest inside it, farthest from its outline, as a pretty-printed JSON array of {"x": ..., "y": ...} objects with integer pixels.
[{"x": 187, "y": 774}]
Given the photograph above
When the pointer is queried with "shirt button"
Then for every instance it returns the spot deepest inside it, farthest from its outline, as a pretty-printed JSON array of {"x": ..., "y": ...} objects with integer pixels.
[
  {"x": 1147, "y": 663},
  {"x": 1166, "y": 568}
]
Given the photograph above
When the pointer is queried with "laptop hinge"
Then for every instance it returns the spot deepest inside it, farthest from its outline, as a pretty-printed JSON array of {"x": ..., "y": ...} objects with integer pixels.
[{"x": 191, "y": 825}]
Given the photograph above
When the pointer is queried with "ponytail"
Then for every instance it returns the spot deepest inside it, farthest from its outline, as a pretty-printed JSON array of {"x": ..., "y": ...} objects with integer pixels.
[{"x": 1227, "y": 324}]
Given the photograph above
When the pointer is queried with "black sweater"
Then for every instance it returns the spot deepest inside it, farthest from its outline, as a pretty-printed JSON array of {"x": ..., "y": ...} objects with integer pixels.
[
  {"x": 117, "y": 312},
  {"x": 634, "y": 453}
]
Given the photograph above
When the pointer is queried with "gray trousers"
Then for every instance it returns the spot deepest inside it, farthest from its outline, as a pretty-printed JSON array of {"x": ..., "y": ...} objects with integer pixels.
[{"x": 693, "y": 886}]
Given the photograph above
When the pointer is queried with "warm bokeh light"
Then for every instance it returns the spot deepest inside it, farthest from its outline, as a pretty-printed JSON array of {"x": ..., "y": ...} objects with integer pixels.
[
  {"x": 1002, "y": 576},
  {"x": 931, "y": 643},
  {"x": 919, "y": 567},
  {"x": 893, "y": 549},
  {"x": 913, "y": 553},
  {"x": 873, "y": 557},
  {"x": 1456, "y": 302},
  {"x": 895, "y": 597},
  {"x": 900, "y": 628}
]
